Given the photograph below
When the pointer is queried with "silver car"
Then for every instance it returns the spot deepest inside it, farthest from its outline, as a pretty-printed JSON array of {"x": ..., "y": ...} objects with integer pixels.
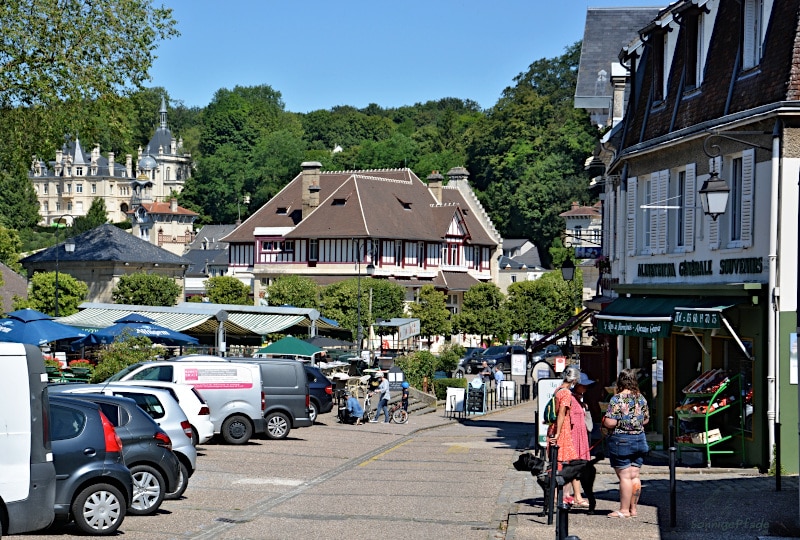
[{"x": 165, "y": 410}]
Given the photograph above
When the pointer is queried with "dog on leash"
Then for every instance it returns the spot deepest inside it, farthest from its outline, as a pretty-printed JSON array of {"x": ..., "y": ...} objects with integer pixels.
[{"x": 584, "y": 471}]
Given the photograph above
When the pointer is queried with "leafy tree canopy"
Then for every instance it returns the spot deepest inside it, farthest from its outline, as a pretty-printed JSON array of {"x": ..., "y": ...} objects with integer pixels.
[
  {"x": 539, "y": 306},
  {"x": 227, "y": 290},
  {"x": 340, "y": 302},
  {"x": 10, "y": 245},
  {"x": 95, "y": 217},
  {"x": 125, "y": 351},
  {"x": 431, "y": 310},
  {"x": 42, "y": 294},
  {"x": 483, "y": 312},
  {"x": 294, "y": 290},
  {"x": 54, "y": 50},
  {"x": 146, "y": 290}
]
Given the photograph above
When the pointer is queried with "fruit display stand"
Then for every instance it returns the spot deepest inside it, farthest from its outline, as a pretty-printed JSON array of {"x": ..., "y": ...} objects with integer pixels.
[{"x": 705, "y": 398}]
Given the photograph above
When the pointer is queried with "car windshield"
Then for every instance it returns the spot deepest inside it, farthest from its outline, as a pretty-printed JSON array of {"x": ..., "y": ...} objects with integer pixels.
[{"x": 497, "y": 349}]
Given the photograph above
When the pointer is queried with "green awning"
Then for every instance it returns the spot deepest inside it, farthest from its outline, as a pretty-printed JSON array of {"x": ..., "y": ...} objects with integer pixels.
[
  {"x": 704, "y": 314},
  {"x": 640, "y": 317},
  {"x": 291, "y": 346}
]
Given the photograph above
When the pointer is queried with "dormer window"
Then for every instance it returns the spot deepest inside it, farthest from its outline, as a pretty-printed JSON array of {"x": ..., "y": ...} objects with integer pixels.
[
  {"x": 282, "y": 211},
  {"x": 694, "y": 49},
  {"x": 658, "y": 40},
  {"x": 339, "y": 202},
  {"x": 753, "y": 31},
  {"x": 404, "y": 204}
]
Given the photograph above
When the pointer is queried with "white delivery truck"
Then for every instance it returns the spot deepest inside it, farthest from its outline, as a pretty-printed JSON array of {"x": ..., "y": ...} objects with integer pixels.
[
  {"x": 232, "y": 390},
  {"x": 27, "y": 473}
]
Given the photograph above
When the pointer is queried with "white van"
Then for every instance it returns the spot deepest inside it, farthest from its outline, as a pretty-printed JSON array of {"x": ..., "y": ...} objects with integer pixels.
[
  {"x": 233, "y": 392},
  {"x": 27, "y": 473}
]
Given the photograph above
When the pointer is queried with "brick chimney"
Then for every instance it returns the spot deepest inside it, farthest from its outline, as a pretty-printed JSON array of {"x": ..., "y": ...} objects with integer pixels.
[
  {"x": 435, "y": 185},
  {"x": 310, "y": 186},
  {"x": 173, "y": 205}
]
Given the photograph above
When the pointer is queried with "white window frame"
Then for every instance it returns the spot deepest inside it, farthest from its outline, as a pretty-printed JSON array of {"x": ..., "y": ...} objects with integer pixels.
[{"x": 753, "y": 33}]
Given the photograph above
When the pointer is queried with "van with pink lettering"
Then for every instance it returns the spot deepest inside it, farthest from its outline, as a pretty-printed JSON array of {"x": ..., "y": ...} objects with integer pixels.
[{"x": 232, "y": 390}]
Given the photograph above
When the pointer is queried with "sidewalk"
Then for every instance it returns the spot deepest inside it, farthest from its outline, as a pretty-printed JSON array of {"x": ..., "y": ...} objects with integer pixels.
[{"x": 711, "y": 503}]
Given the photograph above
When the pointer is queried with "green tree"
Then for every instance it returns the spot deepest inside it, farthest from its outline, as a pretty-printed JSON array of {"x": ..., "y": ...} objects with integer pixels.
[
  {"x": 227, "y": 290},
  {"x": 541, "y": 305},
  {"x": 146, "y": 290},
  {"x": 19, "y": 208},
  {"x": 10, "y": 246},
  {"x": 526, "y": 155},
  {"x": 54, "y": 50},
  {"x": 483, "y": 312},
  {"x": 431, "y": 310},
  {"x": 294, "y": 290},
  {"x": 340, "y": 302},
  {"x": 95, "y": 217},
  {"x": 42, "y": 294},
  {"x": 124, "y": 351}
]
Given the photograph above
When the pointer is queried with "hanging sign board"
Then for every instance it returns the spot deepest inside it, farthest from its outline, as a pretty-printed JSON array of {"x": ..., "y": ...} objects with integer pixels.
[{"x": 545, "y": 389}]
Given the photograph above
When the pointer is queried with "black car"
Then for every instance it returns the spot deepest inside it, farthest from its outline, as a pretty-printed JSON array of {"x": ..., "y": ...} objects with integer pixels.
[
  {"x": 547, "y": 353},
  {"x": 497, "y": 354},
  {"x": 320, "y": 390},
  {"x": 93, "y": 485},
  {"x": 146, "y": 448},
  {"x": 466, "y": 361}
]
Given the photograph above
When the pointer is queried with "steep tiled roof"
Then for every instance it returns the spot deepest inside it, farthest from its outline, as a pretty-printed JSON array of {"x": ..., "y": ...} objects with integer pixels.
[
  {"x": 165, "y": 208},
  {"x": 212, "y": 234},
  {"x": 606, "y": 32},
  {"x": 107, "y": 243},
  {"x": 200, "y": 258},
  {"x": 13, "y": 285},
  {"x": 383, "y": 203},
  {"x": 581, "y": 211}
]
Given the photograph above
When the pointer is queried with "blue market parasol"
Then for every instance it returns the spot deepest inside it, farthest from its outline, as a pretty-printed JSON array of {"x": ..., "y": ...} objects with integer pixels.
[
  {"x": 35, "y": 328},
  {"x": 136, "y": 325}
]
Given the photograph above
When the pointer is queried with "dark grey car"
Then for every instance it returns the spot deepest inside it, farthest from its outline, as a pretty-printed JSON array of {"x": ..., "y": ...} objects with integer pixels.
[
  {"x": 147, "y": 450},
  {"x": 93, "y": 485}
]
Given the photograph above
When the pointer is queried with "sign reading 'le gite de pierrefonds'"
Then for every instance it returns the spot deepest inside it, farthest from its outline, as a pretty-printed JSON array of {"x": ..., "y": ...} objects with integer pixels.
[{"x": 751, "y": 265}]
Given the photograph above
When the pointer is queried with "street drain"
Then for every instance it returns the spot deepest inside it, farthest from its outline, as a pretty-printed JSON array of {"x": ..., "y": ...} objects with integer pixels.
[{"x": 229, "y": 520}]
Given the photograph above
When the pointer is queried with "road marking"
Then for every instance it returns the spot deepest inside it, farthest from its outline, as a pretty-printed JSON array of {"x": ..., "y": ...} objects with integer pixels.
[
  {"x": 271, "y": 481},
  {"x": 377, "y": 456}
]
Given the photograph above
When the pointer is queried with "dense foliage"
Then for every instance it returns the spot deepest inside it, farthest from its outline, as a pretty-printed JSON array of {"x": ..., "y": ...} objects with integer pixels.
[
  {"x": 42, "y": 294},
  {"x": 146, "y": 290},
  {"x": 227, "y": 290},
  {"x": 293, "y": 290},
  {"x": 125, "y": 351}
]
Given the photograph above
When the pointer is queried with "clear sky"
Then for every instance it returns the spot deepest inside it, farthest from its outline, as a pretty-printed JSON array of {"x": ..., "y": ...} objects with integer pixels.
[{"x": 320, "y": 54}]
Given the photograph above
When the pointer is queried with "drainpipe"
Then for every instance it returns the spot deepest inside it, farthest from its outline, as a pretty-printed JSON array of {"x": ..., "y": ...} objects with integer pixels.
[{"x": 774, "y": 291}]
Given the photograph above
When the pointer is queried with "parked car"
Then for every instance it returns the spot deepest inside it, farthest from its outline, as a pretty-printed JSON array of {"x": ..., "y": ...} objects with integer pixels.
[
  {"x": 27, "y": 475},
  {"x": 193, "y": 404},
  {"x": 461, "y": 368},
  {"x": 93, "y": 487},
  {"x": 547, "y": 353},
  {"x": 233, "y": 391},
  {"x": 146, "y": 449},
  {"x": 320, "y": 390},
  {"x": 286, "y": 393},
  {"x": 162, "y": 407},
  {"x": 497, "y": 354}
]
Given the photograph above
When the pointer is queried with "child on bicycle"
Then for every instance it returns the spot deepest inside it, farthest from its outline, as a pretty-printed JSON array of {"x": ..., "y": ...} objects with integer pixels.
[{"x": 404, "y": 396}]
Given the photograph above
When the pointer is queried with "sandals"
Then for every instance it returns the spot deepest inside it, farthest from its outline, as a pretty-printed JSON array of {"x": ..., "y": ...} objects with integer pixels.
[
  {"x": 617, "y": 515},
  {"x": 582, "y": 504}
]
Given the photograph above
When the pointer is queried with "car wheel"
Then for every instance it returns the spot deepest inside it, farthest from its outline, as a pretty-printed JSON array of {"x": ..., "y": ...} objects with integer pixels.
[
  {"x": 148, "y": 490},
  {"x": 236, "y": 429},
  {"x": 458, "y": 374},
  {"x": 99, "y": 509},
  {"x": 469, "y": 370},
  {"x": 183, "y": 483},
  {"x": 313, "y": 411},
  {"x": 195, "y": 437},
  {"x": 278, "y": 426}
]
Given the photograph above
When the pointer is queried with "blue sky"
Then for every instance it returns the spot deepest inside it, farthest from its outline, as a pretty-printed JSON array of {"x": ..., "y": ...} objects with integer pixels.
[{"x": 321, "y": 54}]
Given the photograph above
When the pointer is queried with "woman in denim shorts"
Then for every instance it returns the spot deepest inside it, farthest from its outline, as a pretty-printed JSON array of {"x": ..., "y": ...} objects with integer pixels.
[{"x": 625, "y": 418}]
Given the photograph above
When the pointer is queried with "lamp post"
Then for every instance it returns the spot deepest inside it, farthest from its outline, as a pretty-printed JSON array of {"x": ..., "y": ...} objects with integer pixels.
[
  {"x": 69, "y": 247},
  {"x": 714, "y": 196},
  {"x": 370, "y": 271}
]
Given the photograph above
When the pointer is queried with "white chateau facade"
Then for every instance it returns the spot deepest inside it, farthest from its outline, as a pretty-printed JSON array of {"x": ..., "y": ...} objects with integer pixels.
[{"x": 66, "y": 186}]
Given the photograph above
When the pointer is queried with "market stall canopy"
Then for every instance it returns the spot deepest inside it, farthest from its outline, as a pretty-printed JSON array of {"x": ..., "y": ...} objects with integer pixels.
[
  {"x": 136, "y": 325},
  {"x": 35, "y": 328},
  {"x": 406, "y": 328},
  {"x": 325, "y": 341},
  {"x": 199, "y": 319},
  {"x": 289, "y": 346}
]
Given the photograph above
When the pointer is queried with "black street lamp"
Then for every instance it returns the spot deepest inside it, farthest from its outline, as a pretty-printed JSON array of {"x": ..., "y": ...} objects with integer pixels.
[
  {"x": 714, "y": 196},
  {"x": 370, "y": 271},
  {"x": 69, "y": 247},
  {"x": 568, "y": 270}
]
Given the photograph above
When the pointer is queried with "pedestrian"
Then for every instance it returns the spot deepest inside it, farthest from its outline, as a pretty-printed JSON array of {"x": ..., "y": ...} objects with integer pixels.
[
  {"x": 486, "y": 373},
  {"x": 404, "y": 395},
  {"x": 560, "y": 432},
  {"x": 625, "y": 418},
  {"x": 580, "y": 433},
  {"x": 354, "y": 409},
  {"x": 383, "y": 399},
  {"x": 498, "y": 378}
]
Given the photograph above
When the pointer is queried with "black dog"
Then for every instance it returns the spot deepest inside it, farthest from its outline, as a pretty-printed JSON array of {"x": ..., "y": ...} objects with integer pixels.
[{"x": 584, "y": 471}]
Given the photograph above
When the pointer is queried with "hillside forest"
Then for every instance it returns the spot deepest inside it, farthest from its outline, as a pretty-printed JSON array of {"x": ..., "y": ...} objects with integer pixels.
[{"x": 525, "y": 155}]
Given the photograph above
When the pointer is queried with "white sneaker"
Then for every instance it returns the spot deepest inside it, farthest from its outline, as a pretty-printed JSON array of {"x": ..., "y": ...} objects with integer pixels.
[{"x": 373, "y": 421}]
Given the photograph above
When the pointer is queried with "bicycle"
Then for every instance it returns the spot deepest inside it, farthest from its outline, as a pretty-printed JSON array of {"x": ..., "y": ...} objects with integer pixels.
[{"x": 396, "y": 411}]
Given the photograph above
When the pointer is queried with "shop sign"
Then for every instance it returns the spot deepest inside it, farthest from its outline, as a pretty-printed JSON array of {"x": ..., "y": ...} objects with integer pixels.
[
  {"x": 408, "y": 330},
  {"x": 747, "y": 265},
  {"x": 632, "y": 327},
  {"x": 697, "y": 319}
]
